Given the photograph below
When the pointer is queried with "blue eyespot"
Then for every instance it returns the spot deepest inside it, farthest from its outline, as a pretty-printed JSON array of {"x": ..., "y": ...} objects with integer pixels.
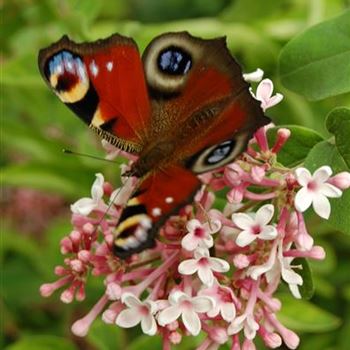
[
  {"x": 220, "y": 152},
  {"x": 174, "y": 61}
]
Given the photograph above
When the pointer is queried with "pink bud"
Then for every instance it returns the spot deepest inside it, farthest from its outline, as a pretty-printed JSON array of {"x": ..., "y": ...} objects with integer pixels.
[
  {"x": 317, "y": 252},
  {"x": 248, "y": 345},
  {"x": 175, "y": 337},
  {"x": 76, "y": 265},
  {"x": 66, "y": 245},
  {"x": 88, "y": 228},
  {"x": 75, "y": 236},
  {"x": 113, "y": 291},
  {"x": 81, "y": 327},
  {"x": 84, "y": 256},
  {"x": 218, "y": 335},
  {"x": 282, "y": 136},
  {"x": 272, "y": 340},
  {"x": 173, "y": 326},
  {"x": 47, "y": 289},
  {"x": 109, "y": 316},
  {"x": 257, "y": 173},
  {"x": 67, "y": 296},
  {"x": 60, "y": 271},
  {"x": 341, "y": 180},
  {"x": 241, "y": 261},
  {"x": 80, "y": 295},
  {"x": 290, "y": 338}
]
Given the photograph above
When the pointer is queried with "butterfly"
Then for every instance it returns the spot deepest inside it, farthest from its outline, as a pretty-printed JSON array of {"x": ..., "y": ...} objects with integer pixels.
[{"x": 182, "y": 107}]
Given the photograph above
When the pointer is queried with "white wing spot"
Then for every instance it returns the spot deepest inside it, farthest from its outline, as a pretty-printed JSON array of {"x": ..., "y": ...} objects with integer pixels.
[
  {"x": 156, "y": 212},
  {"x": 93, "y": 68},
  {"x": 169, "y": 200},
  {"x": 109, "y": 66}
]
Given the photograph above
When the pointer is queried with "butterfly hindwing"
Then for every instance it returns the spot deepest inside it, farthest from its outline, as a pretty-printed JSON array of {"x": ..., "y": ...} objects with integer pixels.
[{"x": 160, "y": 194}]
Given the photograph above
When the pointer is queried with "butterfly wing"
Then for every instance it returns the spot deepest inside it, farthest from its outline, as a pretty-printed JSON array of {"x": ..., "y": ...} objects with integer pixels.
[
  {"x": 160, "y": 194},
  {"x": 103, "y": 83}
]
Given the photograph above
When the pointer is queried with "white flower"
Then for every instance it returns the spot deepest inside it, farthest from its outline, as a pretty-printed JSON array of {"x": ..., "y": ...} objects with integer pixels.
[
  {"x": 224, "y": 303},
  {"x": 121, "y": 195},
  {"x": 255, "y": 76},
  {"x": 254, "y": 225},
  {"x": 199, "y": 235},
  {"x": 315, "y": 191},
  {"x": 204, "y": 265},
  {"x": 245, "y": 321},
  {"x": 138, "y": 311},
  {"x": 85, "y": 206},
  {"x": 188, "y": 308},
  {"x": 278, "y": 265},
  {"x": 264, "y": 94}
]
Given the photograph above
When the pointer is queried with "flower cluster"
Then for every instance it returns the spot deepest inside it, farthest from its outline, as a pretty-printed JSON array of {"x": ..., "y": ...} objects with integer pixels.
[{"x": 214, "y": 271}]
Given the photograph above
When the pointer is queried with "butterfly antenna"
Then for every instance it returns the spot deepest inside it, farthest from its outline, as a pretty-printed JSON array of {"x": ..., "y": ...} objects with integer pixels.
[{"x": 68, "y": 151}]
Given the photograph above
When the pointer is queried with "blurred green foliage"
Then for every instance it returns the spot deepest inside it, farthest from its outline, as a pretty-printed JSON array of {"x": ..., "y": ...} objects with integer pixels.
[{"x": 36, "y": 127}]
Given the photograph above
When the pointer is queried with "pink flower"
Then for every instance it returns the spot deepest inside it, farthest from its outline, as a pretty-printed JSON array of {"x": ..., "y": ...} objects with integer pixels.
[
  {"x": 188, "y": 308},
  {"x": 199, "y": 235},
  {"x": 203, "y": 265},
  {"x": 86, "y": 205},
  {"x": 138, "y": 311},
  {"x": 245, "y": 322},
  {"x": 224, "y": 302},
  {"x": 254, "y": 225},
  {"x": 264, "y": 94},
  {"x": 315, "y": 190}
]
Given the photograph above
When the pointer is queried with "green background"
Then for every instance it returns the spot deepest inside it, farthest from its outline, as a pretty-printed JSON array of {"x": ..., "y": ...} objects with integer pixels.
[{"x": 39, "y": 181}]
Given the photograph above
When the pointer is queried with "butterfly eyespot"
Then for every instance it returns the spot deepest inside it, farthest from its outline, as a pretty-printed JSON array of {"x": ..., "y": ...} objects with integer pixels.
[
  {"x": 218, "y": 155},
  {"x": 67, "y": 75},
  {"x": 174, "y": 60}
]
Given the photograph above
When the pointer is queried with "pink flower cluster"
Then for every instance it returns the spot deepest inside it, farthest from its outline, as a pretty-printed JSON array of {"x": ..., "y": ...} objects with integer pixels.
[{"x": 214, "y": 271}]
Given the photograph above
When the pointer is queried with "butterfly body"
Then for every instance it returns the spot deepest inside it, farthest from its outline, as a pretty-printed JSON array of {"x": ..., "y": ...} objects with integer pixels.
[{"x": 183, "y": 108}]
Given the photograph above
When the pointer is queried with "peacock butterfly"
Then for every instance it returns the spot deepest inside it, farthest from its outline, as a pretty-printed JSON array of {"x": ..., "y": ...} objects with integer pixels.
[{"x": 183, "y": 108}]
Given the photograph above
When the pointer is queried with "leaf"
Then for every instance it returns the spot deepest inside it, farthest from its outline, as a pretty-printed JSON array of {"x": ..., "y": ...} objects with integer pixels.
[
  {"x": 42, "y": 342},
  {"x": 298, "y": 145},
  {"x": 145, "y": 342},
  {"x": 301, "y": 315},
  {"x": 338, "y": 123},
  {"x": 316, "y": 62},
  {"x": 325, "y": 153},
  {"x": 307, "y": 289},
  {"x": 105, "y": 336}
]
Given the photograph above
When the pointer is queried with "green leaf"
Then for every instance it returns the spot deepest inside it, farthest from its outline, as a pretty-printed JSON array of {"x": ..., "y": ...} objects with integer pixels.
[
  {"x": 42, "y": 342},
  {"x": 316, "y": 62},
  {"x": 106, "y": 337},
  {"x": 301, "y": 315},
  {"x": 307, "y": 289},
  {"x": 325, "y": 153},
  {"x": 298, "y": 145},
  {"x": 338, "y": 123},
  {"x": 145, "y": 342}
]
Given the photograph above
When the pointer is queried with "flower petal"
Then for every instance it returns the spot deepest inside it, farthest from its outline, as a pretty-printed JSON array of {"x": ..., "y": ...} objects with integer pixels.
[
  {"x": 322, "y": 174},
  {"x": 219, "y": 265},
  {"x": 83, "y": 206},
  {"x": 303, "y": 176},
  {"x": 190, "y": 242},
  {"x": 148, "y": 325},
  {"x": 321, "y": 206},
  {"x": 303, "y": 199},
  {"x": 130, "y": 300},
  {"x": 193, "y": 224},
  {"x": 330, "y": 191},
  {"x": 243, "y": 221},
  {"x": 203, "y": 303},
  {"x": 268, "y": 232},
  {"x": 245, "y": 238},
  {"x": 128, "y": 318},
  {"x": 206, "y": 275},
  {"x": 264, "y": 214},
  {"x": 236, "y": 325},
  {"x": 188, "y": 267},
  {"x": 191, "y": 322},
  {"x": 250, "y": 328},
  {"x": 169, "y": 315},
  {"x": 255, "y": 76},
  {"x": 264, "y": 90},
  {"x": 97, "y": 188},
  {"x": 274, "y": 100},
  {"x": 228, "y": 311}
]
